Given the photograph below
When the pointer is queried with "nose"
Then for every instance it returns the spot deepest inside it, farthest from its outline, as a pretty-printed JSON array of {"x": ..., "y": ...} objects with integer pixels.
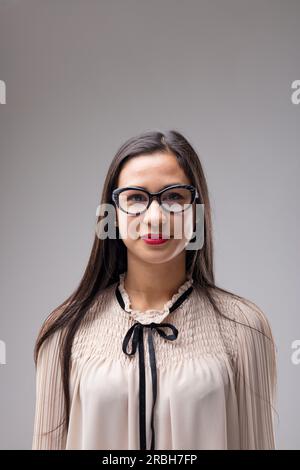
[{"x": 154, "y": 214}]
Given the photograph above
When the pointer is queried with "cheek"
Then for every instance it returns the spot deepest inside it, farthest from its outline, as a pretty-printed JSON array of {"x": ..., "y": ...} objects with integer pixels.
[
  {"x": 183, "y": 227},
  {"x": 128, "y": 228},
  {"x": 189, "y": 226}
]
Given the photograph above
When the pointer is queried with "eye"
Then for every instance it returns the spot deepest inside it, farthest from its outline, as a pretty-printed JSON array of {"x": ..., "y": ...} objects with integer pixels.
[
  {"x": 136, "y": 197},
  {"x": 173, "y": 196}
]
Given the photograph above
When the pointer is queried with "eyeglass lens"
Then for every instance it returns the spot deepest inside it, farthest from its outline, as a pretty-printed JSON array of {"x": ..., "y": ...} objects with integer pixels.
[{"x": 134, "y": 201}]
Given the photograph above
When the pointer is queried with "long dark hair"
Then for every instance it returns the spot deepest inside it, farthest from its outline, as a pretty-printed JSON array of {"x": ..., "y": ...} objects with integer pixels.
[{"x": 108, "y": 256}]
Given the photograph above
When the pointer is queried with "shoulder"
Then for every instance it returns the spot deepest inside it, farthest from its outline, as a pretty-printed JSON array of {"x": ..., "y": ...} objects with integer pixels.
[
  {"x": 249, "y": 325},
  {"x": 248, "y": 313},
  {"x": 221, "y": 298},
  {"x": 96, "y": 323},
  {"x": 100, "y": 305},
  {"x": 240, "y": 309},
  {"x": 255, "y": 346},
  {"x": 50, "y": 348}
]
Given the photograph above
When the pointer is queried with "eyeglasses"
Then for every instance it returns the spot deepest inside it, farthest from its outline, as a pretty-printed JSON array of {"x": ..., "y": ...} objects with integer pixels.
[{"x": 175, "y": 198}]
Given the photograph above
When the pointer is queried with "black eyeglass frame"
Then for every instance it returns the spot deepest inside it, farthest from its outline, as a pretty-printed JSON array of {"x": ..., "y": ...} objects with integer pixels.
[{"x": 116, "y": 192}]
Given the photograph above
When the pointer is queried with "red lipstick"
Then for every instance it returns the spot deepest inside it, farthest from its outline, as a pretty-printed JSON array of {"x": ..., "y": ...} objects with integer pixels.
[{"x": 154, "y": 238}]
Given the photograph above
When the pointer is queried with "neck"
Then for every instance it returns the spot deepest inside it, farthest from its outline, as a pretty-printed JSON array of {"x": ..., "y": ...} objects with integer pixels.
[{"x": 154, "y": 283}]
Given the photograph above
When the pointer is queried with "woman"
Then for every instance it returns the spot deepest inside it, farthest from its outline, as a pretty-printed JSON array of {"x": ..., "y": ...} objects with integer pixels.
[{"x": 205, "y": 375}]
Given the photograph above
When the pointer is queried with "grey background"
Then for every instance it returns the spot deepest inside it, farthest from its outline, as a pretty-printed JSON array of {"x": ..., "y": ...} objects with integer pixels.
[{"x": 83, "y": 76}]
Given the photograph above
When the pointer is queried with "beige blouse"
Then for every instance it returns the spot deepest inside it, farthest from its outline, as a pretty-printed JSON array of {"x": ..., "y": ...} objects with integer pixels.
[{"x": 179, "y": 378}]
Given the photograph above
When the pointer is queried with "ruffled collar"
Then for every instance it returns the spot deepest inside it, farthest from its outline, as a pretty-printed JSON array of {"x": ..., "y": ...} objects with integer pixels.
[{"x": 151, "y": 315}]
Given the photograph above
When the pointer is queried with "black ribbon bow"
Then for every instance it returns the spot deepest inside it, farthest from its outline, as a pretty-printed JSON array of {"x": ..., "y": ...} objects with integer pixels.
[{"x": 136, "y": 332}]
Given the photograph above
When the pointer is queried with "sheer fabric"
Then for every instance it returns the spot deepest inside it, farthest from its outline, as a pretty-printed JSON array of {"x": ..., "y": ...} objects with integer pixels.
[{"x": 215, "y": 383}]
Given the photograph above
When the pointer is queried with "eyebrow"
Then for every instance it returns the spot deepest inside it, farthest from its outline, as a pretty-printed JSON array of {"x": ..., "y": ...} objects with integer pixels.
[{"x": 163, "y": 187}]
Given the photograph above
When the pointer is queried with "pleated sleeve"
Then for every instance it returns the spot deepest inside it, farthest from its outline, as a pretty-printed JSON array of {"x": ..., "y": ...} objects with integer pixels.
[
  {"x": 49, "y": 407},
  {"x": 256, "y": 377}
]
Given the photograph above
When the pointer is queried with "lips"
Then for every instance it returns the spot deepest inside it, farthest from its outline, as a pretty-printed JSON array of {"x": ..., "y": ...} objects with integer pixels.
[{"x": 155, "y": 236}]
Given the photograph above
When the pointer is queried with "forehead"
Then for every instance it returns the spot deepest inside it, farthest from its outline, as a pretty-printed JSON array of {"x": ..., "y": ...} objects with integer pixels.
[{"x": 152, "y": 171}]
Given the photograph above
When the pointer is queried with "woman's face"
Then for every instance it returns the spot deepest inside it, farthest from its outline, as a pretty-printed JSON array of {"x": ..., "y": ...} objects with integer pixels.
[{"x": 153, "y": 172}]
